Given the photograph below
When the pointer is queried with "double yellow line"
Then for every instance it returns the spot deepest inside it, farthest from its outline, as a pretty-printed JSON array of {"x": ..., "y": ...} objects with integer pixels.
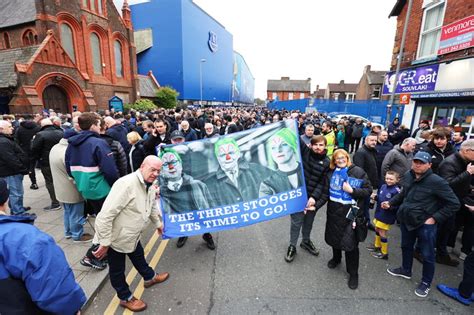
[{"x": 133, "y": 273}]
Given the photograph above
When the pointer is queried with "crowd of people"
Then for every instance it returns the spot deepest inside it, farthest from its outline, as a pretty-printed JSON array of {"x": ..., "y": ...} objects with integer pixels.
[{"x": 105, "y": 165}]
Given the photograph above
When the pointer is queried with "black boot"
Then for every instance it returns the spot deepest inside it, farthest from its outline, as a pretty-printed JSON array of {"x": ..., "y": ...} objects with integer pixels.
[
  {"x": 207, "y": 237},
  {"x": 181, "y": 241},
  {"x": 290, "y": 254},
  {"x": 353, "y": 282}
]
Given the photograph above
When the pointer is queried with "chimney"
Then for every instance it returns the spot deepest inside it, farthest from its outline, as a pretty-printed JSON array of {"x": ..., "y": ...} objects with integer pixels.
[
  {"x": 127, "y": 15},
  {"x": 285, "y": 78},
  {"x": 366, "y": 69},
  {"x": 341, "y": 82},
  {"x": 317, "y": 87}
]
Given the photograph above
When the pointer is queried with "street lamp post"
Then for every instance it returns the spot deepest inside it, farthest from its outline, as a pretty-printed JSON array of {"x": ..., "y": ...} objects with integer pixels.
[{"x": 200, "y": 79}]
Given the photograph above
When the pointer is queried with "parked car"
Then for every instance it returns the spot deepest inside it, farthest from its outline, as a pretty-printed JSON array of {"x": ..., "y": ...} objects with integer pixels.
[{"x": 339, "y": 116}]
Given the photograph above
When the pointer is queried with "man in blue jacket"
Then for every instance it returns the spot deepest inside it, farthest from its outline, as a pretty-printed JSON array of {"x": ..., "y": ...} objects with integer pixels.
[{"x": 35, "y": 277}]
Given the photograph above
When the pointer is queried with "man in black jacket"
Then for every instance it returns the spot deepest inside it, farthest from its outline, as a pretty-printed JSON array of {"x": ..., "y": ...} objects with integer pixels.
[
  {"x": 316, "y": 168},
  {"x": 366, "y": 159},
  {"x": 458, "y": 170},
  {"x": 118, "y": 132},
  {"x": 159, "y": 135},
  {"x": 23, "y": 136},
  {"x": 425, "y": 201},
  {"x": 439, "y": 147},
  {"x": 383, "y": 147},
  {"x": 44, "y": 140},
  {"x": 13, "y": 165}
]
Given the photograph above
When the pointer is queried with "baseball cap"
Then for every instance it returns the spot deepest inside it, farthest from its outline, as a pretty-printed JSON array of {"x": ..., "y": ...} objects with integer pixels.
[
  {"x": 4, "y": 192},
  {"x": 422, "y": 156},
  {"x": 176, "y": 134}
]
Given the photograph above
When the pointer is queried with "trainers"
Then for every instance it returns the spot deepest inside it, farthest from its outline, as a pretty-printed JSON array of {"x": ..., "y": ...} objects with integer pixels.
[
  {"x": 333, "y": 263},
  {"x": 379, "y": 255},
  {"x": 181, "y": 241},
  {"x": 34, "y": 186},
  {"x": 353, "y": 282},
  {"x": 52, "y": 208},
  {"x": 93, "y": 263},
  {"x": 422, "y": 290},
  {"x": 68, "y": 237},
  {"x": 85, "y": 238},
  {"x": 290, "y": 254},
  {"x": 158, "y": 278},
  {"x": 309, "y": 246},
  {"x": 399, "y": 272},
  {"x": 462, "y": 256},
  {"x": 371, "y": 248},
  {"x": 134, "y": 304},
  {"x": 207, "y": 237},
  {"x": 446, "y": 260},
  {"x": 454, "y": 293}
]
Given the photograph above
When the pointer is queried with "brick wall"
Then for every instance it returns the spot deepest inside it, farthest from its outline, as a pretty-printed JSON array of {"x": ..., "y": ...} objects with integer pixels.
[{"x": 455, "y": 10}]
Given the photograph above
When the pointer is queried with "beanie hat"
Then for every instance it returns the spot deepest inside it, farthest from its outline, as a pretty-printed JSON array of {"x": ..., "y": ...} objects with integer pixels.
[{"x": 4, "y": 192}]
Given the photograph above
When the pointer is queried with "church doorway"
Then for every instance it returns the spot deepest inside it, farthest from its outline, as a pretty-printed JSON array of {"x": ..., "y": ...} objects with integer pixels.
[{"x": 54, "y": 97}]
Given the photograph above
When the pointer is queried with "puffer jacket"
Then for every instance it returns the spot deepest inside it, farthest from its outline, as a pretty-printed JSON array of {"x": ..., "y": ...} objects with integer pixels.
[
  {"x": 424, "y": 197},
  {"x": 437, "y": 156},
  {"x": 453, "y": 170},
  {"x": 335, "y": 234},
  {"x": 120, "y": 156},
  {"x": 44, "y": 140},
  {"x": 119, "y": 133},
  {"x": 13, "y": 160},
  {"x": 316, "y": 169}
]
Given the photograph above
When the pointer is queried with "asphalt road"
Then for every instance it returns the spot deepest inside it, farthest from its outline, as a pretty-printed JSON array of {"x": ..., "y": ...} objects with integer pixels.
[{"x": 247, "y": 274}]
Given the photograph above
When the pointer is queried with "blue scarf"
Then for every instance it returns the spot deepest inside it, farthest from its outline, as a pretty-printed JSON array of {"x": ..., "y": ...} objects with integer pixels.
[{"x": 336, "y": 193}]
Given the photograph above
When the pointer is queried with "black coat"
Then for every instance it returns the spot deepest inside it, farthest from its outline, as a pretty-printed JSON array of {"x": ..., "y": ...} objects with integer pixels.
[
  {"x": 25, "y": 133},
  {"x": 44, "y": 140},
  {"x": 399, "y": 136},
  {"x": 453, "y": 170},
  {"x": 316, "y": 169},
  {"x": 337, "y": 225},
  {"x": 382, "y": 150},
  {"x": 152, "y": 141},
  {"x": 138, "y": 155},
  {"x": 423, "y": 198},
  {"x": 120, "y": 156},
  {"x": 13, "y": 160},
  {"x": 119, "y": 133},
  {"x": 437, "y": 156},
  {"x": 366, "y": 159}
]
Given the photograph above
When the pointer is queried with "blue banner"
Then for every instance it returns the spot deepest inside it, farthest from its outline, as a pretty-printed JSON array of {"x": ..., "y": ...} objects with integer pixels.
[{"x": 231, "y": 181}]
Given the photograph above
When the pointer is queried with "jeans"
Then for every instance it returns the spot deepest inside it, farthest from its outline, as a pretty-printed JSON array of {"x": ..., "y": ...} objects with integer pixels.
[
  {"x": 117, "y": 270},
  {"x": 299, "y": 220},
  {"x": 15, "y": 201},
  {"x": 48, "y": 178},
  {"x": 426, "y": 235},
  {"x": 74, "y": 219},
  {"x": 445, "y": 230},
  {"x": 466, "y": 287},
  {"x": 352, "y": 260}
]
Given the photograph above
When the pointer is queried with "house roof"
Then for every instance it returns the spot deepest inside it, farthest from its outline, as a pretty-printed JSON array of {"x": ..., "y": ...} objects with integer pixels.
[
  {"x": 397, "y": 8},
  {"x": 8, "y": 58},
  {"x": 320, "y": 93},
  {"x": 342, "y": 87},
  {"x": 376, "y": 77},
  {"x": 16, "y": 12},
  {"x": 288, "y": 85},
  {"x": 148, "y": 85}
]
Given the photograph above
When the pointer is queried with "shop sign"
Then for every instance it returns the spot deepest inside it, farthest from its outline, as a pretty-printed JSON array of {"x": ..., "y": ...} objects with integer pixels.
[
  {"x": 422, "y": 79},
  {"x": 404, "y": 99},
  {"x": 458, "y": 35}
]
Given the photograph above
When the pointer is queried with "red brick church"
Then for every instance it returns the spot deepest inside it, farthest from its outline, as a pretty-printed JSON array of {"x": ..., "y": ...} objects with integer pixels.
[{"x": 65, "y": 55}]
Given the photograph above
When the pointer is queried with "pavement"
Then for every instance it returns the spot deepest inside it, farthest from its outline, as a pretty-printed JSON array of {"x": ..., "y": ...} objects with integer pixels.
[{"x": 51, "y": 222}]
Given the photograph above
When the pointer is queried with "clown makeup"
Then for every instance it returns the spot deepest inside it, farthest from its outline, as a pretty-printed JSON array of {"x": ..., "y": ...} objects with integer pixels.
[
  {"x": 172, "y": 168},
  {"x": 228, "y": 157},
  {"x": 281, "y": 151}
]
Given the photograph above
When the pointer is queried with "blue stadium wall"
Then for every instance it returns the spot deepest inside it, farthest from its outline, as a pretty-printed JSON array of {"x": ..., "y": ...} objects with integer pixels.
[
  {"x": 243, "y": 87},
  {"x": 181, "y": 33}
]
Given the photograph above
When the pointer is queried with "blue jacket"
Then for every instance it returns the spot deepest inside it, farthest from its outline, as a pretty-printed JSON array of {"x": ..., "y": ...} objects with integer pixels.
[
  {"x": 385, "y": 193},
  {"x": 119, "y": 133},
  {"x": 92, "y": 165},
  {"x": 35, "y": 277}
]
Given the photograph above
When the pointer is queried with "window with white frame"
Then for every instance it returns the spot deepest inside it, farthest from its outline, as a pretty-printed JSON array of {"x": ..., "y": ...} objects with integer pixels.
[
  {"x": 290, "y": 95},
  {"x": 433, "y": 16},
  {"x": 301, "y": 95},
  {"x": 350, "y": 97},
  {"x": 336, "y": 96},
  {"x": 376, "y": 92},
  {"x": 274, "y": 96}
]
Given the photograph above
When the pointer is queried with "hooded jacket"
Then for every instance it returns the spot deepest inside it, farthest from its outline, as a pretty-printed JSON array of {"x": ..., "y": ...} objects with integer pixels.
[
  {"x": 44, "y": 141},
  {"x": 35, "y": 277},
  {"x": 91, "y": 163},
  {"x": 437, "y": 156},
  {"x": 119, "y": 133}
]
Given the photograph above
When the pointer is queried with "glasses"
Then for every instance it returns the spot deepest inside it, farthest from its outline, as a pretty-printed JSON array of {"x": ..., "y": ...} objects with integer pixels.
[{"x": 341, "y": 158}]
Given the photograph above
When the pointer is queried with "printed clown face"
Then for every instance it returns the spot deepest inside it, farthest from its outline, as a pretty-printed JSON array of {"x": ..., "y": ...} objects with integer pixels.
[
  {"x": 281, "y": 151},
  {"x": 228, "y": 157},
  {"x": 172, "y": 168}
]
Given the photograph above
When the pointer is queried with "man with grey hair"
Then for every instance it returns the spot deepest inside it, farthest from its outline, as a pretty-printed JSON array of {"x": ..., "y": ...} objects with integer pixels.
[
  {"x": 458, "y": 170},
  {"x": 13, "y": 165},
  {"x": 308, "y": 134},
  {"x": 45, "y": 139},
  {"x": 188, "y": 132},
  {"x": 399, "y": 158}
]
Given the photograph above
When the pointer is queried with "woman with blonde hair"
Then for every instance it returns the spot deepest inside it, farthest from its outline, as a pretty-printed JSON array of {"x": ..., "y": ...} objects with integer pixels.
[
  {"x": 348, "y": 186},
  {"x": 137, "y": 152}
]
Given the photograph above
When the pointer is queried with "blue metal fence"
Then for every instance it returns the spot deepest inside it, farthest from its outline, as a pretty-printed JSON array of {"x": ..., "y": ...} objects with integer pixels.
[{"x": 374, "y": 110}]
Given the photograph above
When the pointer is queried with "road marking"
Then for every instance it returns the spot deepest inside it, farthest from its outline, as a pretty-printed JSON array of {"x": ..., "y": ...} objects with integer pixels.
[
  {"x": 153, "y": 263},
  {"x": 131, "y": 275}
]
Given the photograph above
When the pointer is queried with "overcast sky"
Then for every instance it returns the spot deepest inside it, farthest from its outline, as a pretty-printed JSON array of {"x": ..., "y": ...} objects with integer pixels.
[{"x": 325, "y": 40}]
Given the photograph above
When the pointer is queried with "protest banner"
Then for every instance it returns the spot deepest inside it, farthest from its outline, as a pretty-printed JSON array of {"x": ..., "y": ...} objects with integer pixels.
[{"x": 231, "y": 181}]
